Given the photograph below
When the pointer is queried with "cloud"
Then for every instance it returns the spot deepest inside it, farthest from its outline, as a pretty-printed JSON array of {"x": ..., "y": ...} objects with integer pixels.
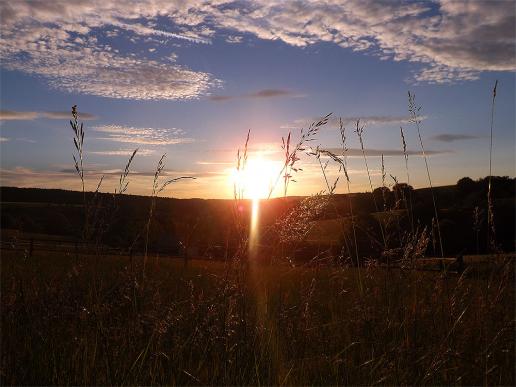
[
  {"x": 357, "y": 152},
  {"x": 4, "y": 139},
  {"x": 25, "y": 139},
  {"x": 221, "y": 98},
  {"x": 59, "y": 42},
  {"x": 140, "y": 182},
  {"x": 373, "y": 120},
  {"x": 67, "y": 115},
  {"x": 264, "y": 148},
  {"x": 453, "y": 40},
  {"x": 266, "y": 93},
  {"x": 448, "y": 137},
  {"x": 234, "y": 39},
  {"x": 143, "y": 136},
  {"x": 351, "y": 120},
  {"x": 8, "y": 115},
  {"x": 123, "y": 152},
  {"x": 85, "y": 47},
  {"x": 214, "y": 163}
]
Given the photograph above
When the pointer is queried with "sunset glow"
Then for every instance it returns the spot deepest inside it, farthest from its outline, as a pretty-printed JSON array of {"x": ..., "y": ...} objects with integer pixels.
[
  {"x": 257, "y": 179},
  {"x": 189, "y": 79}
]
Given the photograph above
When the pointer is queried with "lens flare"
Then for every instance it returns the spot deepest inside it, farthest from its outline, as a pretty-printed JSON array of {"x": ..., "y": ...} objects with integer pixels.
[{"x": 255, "y": 182}]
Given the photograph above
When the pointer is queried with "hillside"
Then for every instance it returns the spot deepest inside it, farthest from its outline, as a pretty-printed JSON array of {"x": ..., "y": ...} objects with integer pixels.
[{"x": 206, "y": 224}]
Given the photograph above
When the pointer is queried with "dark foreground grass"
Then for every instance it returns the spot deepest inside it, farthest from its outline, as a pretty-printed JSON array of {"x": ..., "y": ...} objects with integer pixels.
[{"x": 68, "y": 321}]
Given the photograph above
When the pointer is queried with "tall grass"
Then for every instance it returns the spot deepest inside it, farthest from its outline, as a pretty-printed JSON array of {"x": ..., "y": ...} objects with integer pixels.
[
  {"x": 341, "y": 161},
  {"x": 416, "y": 120},
  {"x": 221, "y": 323},
  {"x": 157, "y": 187},
  {"x": 342, "y": 131},
  {"x": 408, "y": 205},
  {"x": 201, "y": 326},
  {"x": 491, "y": 232},
  {"x": 292, "y": 153},
  {"x": 359, "y": 130}
]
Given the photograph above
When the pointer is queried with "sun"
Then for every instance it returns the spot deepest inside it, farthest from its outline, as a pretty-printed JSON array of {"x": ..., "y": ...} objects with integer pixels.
[{"x": 257, "y": 179}]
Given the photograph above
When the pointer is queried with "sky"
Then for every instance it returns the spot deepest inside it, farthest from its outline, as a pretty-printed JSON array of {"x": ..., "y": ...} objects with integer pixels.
[{"x": 189, "y": 79}]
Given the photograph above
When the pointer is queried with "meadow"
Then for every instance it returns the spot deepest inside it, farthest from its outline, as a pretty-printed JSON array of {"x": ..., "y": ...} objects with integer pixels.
[
  {"x": 336, "y": 290},
  {"x": 81, "y": 322}
]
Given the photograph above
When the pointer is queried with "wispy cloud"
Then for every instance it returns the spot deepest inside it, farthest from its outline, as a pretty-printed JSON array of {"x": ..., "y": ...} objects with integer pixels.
[
  {"x": 8, "y": 115},
  {"x": 264, "y": 148},
  {"x": 67, "y": 115},
  {"x": 25, "y": 139},
  {"x": 221, "y": 98},
  {"x": 214, "y": 163},
  {"x": 144, "y": 136},
  {"x": 123, "y": 152},
  {"x": 12, "y": 115},
  {"x": 357, "y": 152},
  {"x": 422, "y": 32},
  {"x": 66, "y": 178},
  {"x": 448, "y": 137},
  {"x": 351, "y": 120},
  {"x": 373, "y": 120},
  {"x": 266, "y": 93},
  {"x": 59, "y": 42},
  {"x": 142, "y": 30},
  {"x": 62, "y": 41},
  {"x": 234, "y": 39},
  {"x": 3, "y": 139}
]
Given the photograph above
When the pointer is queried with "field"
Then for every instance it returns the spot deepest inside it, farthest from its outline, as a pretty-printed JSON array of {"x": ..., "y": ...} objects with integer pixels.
[
  {"x": 393, "y": 286},
  {"x": 97, "y": 321}
]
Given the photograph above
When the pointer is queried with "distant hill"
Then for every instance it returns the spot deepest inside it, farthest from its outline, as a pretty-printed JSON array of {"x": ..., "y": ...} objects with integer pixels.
[{"x": 206, "y": 223}]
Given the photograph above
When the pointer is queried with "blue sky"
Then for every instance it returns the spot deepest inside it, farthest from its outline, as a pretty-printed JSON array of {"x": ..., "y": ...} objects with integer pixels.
[{"x": 189, "y": 78}]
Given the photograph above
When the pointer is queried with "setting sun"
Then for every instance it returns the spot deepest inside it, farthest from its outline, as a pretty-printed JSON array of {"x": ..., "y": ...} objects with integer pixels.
[{"x": 257, "y": 178}]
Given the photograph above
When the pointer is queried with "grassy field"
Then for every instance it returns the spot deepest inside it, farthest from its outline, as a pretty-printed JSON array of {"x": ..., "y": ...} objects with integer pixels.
[
  {"x": 97, "y": 320},
  {"x": 344, "y": 301}
]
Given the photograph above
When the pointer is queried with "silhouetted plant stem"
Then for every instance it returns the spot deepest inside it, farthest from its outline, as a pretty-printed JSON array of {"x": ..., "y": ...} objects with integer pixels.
[
  {"x": 414, "y": 111},
  {"x": 291, "y": 156},
  {"x": 359, "y": 131},
  {"x": 408, "y": 205},
  {"x": 157, "y": 188},
  {"x": 491, "y": 232},
  {"x": 342, "y": 131}
]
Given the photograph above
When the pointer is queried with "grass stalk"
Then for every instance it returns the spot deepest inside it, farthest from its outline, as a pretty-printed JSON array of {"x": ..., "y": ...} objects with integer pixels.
[
  {"x": 359, "y": 131},
  {"x": 157, "y": 188},
  {"x": 491, "y": 232},
  {"x": 342, "y": 131},
  {"x": 408, "y": 205},
  {"x": 415, "y": 118},
  {"x": 342, "y": 162},
  {"x": 291, "y": 156}
]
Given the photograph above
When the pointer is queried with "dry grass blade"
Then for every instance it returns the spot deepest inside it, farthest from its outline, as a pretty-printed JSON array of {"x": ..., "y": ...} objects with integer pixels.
[
  {"x": 157, "y": 188},
  {"x": 122, "y": 183},
  {"x": 491, "y": 232},
  {"x": 416, "y": 120},
  {"x": 360, "y": 131},
  {"x": 408, "y": 203},
  {"x": 291, "y": 157},
  {"x": 78, "y": 141}
]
